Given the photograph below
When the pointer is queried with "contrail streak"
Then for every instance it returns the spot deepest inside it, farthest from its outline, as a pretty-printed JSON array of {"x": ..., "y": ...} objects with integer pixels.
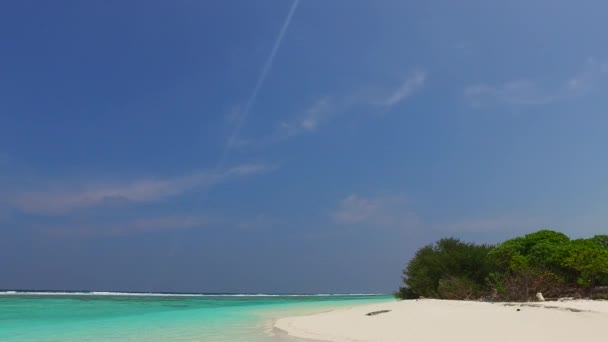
[{"x": 254, "y": 94}]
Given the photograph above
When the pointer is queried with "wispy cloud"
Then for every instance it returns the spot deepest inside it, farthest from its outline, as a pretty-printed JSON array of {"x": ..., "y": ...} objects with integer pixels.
[
  {"x": 355, "y": 209},
  {"x": 321, "y": 112},
  {"x": 242, "y": 115},
  {"x": 528, "y": 92},
  {"x": 396, "y": 212},
  {"x": 325, "y": 110},
  {"x": 127, "y": 227},
  {"x": 407, "y": 89},
  {"x": 593, "y": 72},
  {"x": 64, "y": 198},
  {"x": 92, "y": 227},
  {"x": 379, "y": 211},
  {"x": 521, "y": 92}
]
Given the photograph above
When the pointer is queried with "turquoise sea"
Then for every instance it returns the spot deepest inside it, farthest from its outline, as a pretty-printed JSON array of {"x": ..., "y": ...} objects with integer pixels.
[{"x": 36, "y": 316}]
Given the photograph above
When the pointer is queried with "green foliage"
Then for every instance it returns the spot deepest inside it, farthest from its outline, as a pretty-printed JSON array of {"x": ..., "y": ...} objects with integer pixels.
[
  {"x": 542, "y": 249},
  {"x": 459, "y": 288},
  {"x": 405, "y": 293},
  {"x": 503, "y": 254},
  {"x": 546, "y": 236},
  {"x": 545, "y": 261},
  {"x": 496, "y": 283},
  {"x": 519, "y": 263},
  {"x": 423, "y": 273},
  {"x": 601, "y": 240},
  {"x": 523, "y": 285},
  {"x": 443, "y": 260},
  {"x": 590, "y": 260}
]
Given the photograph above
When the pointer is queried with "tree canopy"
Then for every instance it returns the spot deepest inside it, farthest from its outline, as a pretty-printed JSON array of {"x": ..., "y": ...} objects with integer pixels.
[{"x": 545, "y": 261}]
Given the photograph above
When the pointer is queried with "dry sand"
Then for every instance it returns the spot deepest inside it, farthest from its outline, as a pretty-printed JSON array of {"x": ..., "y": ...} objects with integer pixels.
[{"x": 442, "y": 320}]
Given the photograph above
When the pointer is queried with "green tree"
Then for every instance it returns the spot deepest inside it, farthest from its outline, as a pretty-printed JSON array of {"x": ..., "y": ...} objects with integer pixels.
[
  {"x": 543, "y": 249},
  {"x": 590, "y": 260},
  {"x": 447, "y": 259},
  {"x": 545, "y": 261},
  {"x": 601, "y": 240},
  {"x": 530, "y": 263}
]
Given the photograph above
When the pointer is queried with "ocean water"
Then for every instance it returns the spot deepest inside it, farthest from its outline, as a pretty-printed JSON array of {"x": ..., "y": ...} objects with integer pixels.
[{"x": 158, "y": 317}]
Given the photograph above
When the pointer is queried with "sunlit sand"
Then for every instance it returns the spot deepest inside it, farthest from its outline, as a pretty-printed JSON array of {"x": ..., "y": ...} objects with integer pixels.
[{"x": 439, "y": 320}]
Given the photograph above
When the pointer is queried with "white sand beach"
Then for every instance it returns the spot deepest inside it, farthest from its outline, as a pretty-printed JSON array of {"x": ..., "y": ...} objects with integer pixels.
[{"x": 442, "y": 320}]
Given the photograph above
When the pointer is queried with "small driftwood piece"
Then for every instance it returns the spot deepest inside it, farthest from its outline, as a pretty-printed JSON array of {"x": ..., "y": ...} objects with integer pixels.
[{"x": 374, "y": 313}]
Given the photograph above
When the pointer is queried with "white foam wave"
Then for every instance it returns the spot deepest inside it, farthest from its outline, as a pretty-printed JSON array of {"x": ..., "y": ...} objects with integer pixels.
[{"x": 153, "y": 294}]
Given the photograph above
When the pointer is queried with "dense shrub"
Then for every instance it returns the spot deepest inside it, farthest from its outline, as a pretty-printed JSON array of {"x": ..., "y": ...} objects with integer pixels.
[
  {"x": 601, "y": 240},
  {"x": 542, "y": 249},
  {"x": 524, "y": 284},
  {"x": 461, "y": 288},
  {"x": 444, "y": 260},
  {"x": 589, "y": 261},
  {"x": 515, "y": 270}
]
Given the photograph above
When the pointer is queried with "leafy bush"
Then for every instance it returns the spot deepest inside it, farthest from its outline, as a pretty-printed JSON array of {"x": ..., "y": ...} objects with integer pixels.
[
  {"x": 445, "y": 259},
  {"x": 524, "y": 284},
  {"x": 460, "y": 288},
  {"x": 543, "y": 249},
  {"x": 601, "y": 240},
  {"x": 589, "y": 260},
  {"x": 405, "y": 293},
  {"x": 515, "y": 270}
]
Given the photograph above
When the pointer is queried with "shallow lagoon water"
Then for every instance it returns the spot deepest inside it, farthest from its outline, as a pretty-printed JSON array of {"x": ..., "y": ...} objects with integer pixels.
[{"x": 157, "y": 317}]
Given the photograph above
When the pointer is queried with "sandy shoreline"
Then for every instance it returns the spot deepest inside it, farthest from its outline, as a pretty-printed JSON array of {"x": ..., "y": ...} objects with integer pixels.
[{"x": 437, "y": 320}]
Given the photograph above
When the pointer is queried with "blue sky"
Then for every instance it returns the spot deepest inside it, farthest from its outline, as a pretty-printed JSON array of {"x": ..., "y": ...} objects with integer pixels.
[{"x": 229, "y": 146}]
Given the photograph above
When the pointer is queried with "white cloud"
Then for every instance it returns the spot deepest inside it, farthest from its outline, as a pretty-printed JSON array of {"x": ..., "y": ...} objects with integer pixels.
[
  {"x": 318, "y": 114},
  {"x": 355, "y": 209},
  {"x": 92, "y": 227},
  {"x": 246, "y": 170},
  {"x": 407, "y": 89},
  {"x": 327, "y": 109},
  {"x": 379, "y": 211},
  {"x": 521, "y": 92},
  {"x": 127, "y": 227},
  {"x": 396, "y": 212},
  {"x": 244, "y": 113},
  {"x": 586, "y": 79},
  {"x": 528, "y": 92},
  {"x": 68, "y": 197}
]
